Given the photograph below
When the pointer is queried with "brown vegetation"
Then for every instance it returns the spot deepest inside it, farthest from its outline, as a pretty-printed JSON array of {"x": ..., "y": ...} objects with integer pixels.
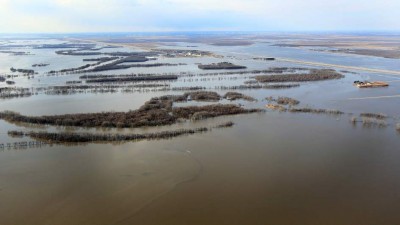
[
  {"x": 100, "y": 59},
  {"x": 156, "y": 112},
  {"x": 251, "y": 82},
  {"x": 373, "y": 122},
  {"x": 313, "y": 75},
  {"x": 280, "y": 86},
  {"x": 275, "y": 70},
  {"x": 276, "y": 107},
  {"x": 369, "y": 122},
  {"x": 235, "y": 95},
  {"x": 221, "y": 66},
  {"x": 374, "y": 115},
  {"x": 204, "y": 96},
  {"x": 317, "y": 111},
  {"x": 136, "y": 118},
  {"x": 40, "y": 65},
  {"x": 283, "y": 100},
  {"x": 209, "y": 111},
  {"x": 118, "y": 66},
  {"x": 132, "y": 79},
  {"x": 24, "y": 71},
  {"x": 189, "y": 74},
  {"x": 258, "y": 86},
  {"x": 73, "y": 82},
  {"x": 14, "y": 92},
  {"x": 91, "y": 137},
  {"x": 71, "y": 69},
  {"x": 172, "y": 53},
  {"x": 264, "y": 59},
  {"x": 15, "y": 134},
  {"x": 224, "y": 125}
]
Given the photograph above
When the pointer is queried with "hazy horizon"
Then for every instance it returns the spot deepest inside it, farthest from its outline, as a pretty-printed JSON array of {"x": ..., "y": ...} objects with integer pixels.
[{"x": 123, "y": 16}]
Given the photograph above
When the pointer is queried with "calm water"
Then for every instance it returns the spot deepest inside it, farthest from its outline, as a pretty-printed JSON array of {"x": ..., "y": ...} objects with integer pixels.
[{"x": 270, "y": 168}]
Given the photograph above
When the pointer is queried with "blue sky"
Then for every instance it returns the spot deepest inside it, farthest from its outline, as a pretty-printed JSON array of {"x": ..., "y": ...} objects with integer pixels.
[{"x": 26, "y": 16}]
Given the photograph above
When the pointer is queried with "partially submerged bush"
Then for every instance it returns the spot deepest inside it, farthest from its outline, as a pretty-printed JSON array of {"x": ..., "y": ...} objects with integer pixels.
[
  {"x": 221, "y": 66},
  {"x": 280, "y": 86},
  {"x": 317, "y": 111},
  {"x": 198, "y": 112},
  {"x": 283, "y": 100},
  {"x": 276, "y": 107},
  {"x": 224, "y": 125},
  {"x": 372, "y": 122},
  {"x": 15, "y": 134},
  {"x": 374, "y": 115},
  {"x": 203, "y": 96},
  {"x": 235, "y": 95}
]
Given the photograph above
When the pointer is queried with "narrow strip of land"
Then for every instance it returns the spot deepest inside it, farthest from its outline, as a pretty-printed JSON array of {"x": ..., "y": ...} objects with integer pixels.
[
  {"x": 371, "y": 70},
  {"x": 301, "y": 62},
  {"x": 334, "y": 66},
  {"x": 100, "y": 42}
]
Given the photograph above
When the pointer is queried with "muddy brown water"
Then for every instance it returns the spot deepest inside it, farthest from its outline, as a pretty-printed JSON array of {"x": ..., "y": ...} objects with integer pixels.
[{"x": 270, "y": 168}]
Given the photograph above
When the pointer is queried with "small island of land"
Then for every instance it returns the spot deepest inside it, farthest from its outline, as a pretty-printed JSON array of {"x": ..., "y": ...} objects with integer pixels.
[{"x": 221, "y": 66}]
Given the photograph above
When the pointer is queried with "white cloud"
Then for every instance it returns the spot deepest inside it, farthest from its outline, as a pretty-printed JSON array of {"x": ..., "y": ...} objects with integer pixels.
[{"x": 137, "y": 15}]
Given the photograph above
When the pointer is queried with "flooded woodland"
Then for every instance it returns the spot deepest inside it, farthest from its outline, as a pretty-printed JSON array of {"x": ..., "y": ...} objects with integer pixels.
[{"x": 256, "y": 129}]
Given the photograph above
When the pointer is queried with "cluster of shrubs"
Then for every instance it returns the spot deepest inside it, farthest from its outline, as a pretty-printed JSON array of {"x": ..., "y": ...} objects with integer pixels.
[
  {"x": 65, "y": 137},
  {"x": 203, "y": 96},
  {"x": 156, "y": 112},
  {"x": 374, "y": 115},
  {"x": 235, "y": 96},
  {"x": 210, "y": 111},
  {"x": 101, "y": 59},
  {"x": 283, "y": 100},
  {"x": 24, "y": 71},
  {"x": 317, "y": 111},
  {"x": 221, "y": 66},
  {"x": 226, "y": 124},
  {"x": 257, "y": 86},
  {"x": 118, "y": 65},
  {"x": 132, "y": 79},
  {"x": 371, "y": 120},
  {"x": 14, "y": 92},
  {"x": 313, "y": 75}
]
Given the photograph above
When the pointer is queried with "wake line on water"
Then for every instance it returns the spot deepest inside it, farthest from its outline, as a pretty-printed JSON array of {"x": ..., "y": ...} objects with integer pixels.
[{"x": 376, "y": 97}]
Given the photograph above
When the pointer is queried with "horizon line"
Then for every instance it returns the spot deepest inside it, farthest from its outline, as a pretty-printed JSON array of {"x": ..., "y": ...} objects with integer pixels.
[{"x": 203, "y": 31}]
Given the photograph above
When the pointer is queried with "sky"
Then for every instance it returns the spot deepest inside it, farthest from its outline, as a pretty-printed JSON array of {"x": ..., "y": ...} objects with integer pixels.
[{"x": 66, "y": 16}]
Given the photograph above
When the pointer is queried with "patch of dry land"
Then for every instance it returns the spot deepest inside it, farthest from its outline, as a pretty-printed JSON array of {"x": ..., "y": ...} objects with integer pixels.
[
  {"x": 150, "y": 42},
  {"x": 379, "y": 46}
]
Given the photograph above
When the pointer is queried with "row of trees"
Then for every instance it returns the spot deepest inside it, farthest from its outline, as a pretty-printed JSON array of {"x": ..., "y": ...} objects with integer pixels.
[
  {"x": 313, "y": 75},
  {"x": 156, "y": 112}
]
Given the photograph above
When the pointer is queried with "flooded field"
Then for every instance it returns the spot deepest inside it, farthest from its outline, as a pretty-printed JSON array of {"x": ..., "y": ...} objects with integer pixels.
[{"x": 330, "y": 158}]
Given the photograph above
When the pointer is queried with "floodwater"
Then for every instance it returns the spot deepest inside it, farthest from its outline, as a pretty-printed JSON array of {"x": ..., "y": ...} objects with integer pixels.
[{"x": 270, "y": 168}]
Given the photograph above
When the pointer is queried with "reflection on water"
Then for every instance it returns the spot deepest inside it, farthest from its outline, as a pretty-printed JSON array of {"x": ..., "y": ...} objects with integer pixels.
[
  {"x": 275, "y": 168},
  {"x": 270, "y": 168}
]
